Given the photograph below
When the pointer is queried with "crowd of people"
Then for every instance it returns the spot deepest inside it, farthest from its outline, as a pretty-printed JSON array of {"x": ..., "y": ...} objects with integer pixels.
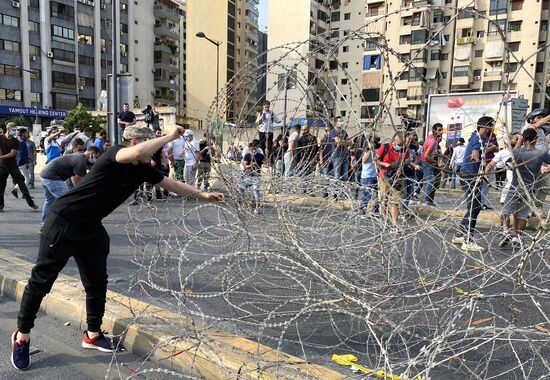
[{"x": 408, "y": 170}]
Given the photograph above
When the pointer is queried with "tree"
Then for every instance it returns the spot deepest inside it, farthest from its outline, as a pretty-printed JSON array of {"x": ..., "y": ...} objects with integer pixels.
[
  {"x": 19, "y": 121},
  {"x": 79, "y": 116}
]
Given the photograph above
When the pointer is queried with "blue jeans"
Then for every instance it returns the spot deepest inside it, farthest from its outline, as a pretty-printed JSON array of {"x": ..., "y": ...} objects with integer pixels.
[
  {"x": 31, "y": 173},
  {"x": 472, "y": 192},
  {"x": 410, "y": 184},
  {"x": 53, "y": 189},
  {"x": 429, "y": 178},
  {"x": 326, "y": 169},
  {"x": 340, "y": 164},
  {"x": 370, "y": 191}
]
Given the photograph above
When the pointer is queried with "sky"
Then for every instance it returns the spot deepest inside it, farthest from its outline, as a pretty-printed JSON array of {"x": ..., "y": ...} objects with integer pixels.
[{"x": 263, "y": 14}]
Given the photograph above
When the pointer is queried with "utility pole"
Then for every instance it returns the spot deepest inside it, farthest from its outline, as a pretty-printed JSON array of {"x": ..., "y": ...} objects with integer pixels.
[{"x": 113, "y": 91}]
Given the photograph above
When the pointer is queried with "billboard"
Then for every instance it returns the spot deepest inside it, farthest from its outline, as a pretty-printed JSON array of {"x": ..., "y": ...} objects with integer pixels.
[{"x": 459, "y": 113}]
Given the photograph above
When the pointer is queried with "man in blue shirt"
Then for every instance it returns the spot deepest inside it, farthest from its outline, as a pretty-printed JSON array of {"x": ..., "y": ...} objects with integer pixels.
[
  {"x": 471, "y": 171},
  {"x": 22, "y": 158}
]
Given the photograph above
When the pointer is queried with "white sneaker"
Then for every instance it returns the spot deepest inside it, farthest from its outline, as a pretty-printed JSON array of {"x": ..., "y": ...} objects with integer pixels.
[
  {"x": 458, "y": 239},
  {"x": 256, "y": 211},
  {"x": 471, "y": 246},
  {"x": 505, "y": 240}
]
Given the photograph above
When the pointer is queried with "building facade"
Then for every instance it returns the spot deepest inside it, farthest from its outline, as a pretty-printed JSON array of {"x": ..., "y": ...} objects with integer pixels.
[
  {"x": 234, "y": 24},
  {"x": 55, "y": 54}
]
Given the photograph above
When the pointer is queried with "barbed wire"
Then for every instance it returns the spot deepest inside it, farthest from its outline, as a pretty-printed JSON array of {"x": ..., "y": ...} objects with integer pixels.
[{"x": 312, "y": 276}]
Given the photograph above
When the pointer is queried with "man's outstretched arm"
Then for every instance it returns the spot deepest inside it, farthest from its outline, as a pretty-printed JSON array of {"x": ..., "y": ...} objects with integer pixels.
[
  {"x": 184, "y": 189},
  {"x": 143, "y": 152}
]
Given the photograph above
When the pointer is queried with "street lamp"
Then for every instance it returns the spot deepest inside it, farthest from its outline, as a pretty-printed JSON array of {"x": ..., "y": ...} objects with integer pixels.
[{"x": 217, "y": 43}]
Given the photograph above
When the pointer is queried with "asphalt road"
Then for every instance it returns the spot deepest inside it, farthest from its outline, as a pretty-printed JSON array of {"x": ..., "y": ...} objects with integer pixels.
[
  {"x": 60, "y": 355},
  {"x": 246, "y": 275}
]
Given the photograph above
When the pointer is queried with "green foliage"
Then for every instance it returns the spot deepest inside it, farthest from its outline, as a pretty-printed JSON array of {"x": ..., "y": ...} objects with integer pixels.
[
  {"x": 79, "y": 116},
  {"x": 19, "y": 121}
]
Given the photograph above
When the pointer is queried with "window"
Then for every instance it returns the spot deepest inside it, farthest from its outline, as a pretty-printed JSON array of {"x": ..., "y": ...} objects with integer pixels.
[
  {"x": 478, "y": 53},
  {"x": 10, "y": 70},
  {"x": 64, "y": 101},
  {"x": 406, "y": 20},
  {"x": 8, "y": 94},
  {"x": 12, "y": 46},
  {"x": 517, "y": 5},
  {"x": 493, "y": 85},
  {"x": 417, "y": 74},
  {"x": 419, "y": 36},
  {"x": 415, "y": 19},
  {"x": 371, "y": 94},
  {"x": 85, "y": 60},
  {"x": 85, "y": 39},
  {"x": 62, "y": 11},
  {"x": 512, "y": 67},
  {"x": 345, "y": 49},
  {"x": 401, "y": 94},
  {"x": 539, "y": 67},
  {"x": 461, "y": 71},
  {"x": 123, "y": 28},
  {"x": 344, "y": 81},
  {"x": 467, "y": 12},
  {"x": 435, "y": 55},
  {"x": 35, "y": 74},
  {"x": 335, "y": 33},
  {"x": 444, "y": 56},
  {"x": 34, "y": 4},
  {"x": 498, "y": 7},
  {"x": 322, "y": 15},
  {"x": 443, "y": 74},
  {"x": 494, "y": 30},
  {"x": 372, "y": 62},
  {"x": 63, "y": 55},
  {"x": 9, "y": 21},
  {"x": 343, "y": 113},
  {"x": 544, "y": 26},
  {"x": 480, "y": 34},
  {"x": 513, "y": 46},
  {"x": 405, "y": 40},
  {"x": 404, "y": 75},
  {"x": 477, "y": 72},
  {"x": 514, "y": 26},
  {"x": 438, "y": 16},
  {"x": 347, "y": 16},
  {"x": 36, "y": 97},
  {"x": 335, "y": 16},
  {"x": 34, "y": 50},
  {"x": 86, "y": 82},
  {"x": 369, "y": 112},
  {"x": 34, "y": 27},
  {"x": 65, "y": 80},
  {"x": 345, "y": 65},
  {"x": 61, "y": 32}
]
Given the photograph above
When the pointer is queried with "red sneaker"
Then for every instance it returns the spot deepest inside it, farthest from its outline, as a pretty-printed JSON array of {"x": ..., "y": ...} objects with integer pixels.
[{"x": 100, "y": 343}]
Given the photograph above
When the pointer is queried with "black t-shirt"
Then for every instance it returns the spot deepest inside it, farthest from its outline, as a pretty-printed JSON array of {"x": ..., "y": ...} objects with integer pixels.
[
  {"x": 6, "y": 146},
  {"x": 104, "y": 188},
  {"x": 64, "y": 167},
  {"x": 205, "y": 156},
  {"x": 126, "y": 116}
]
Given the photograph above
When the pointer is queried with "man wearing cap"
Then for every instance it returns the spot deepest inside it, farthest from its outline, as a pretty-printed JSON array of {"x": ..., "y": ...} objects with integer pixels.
[
  {"x": 52, "y": 142},
  {"x": 8, "y": 165},
  {"x": 537, "y": 119},
  {"x": 74, "y": 220},
  {"x": 191, "y": 152},
  {"x": 472, "y": 170}
]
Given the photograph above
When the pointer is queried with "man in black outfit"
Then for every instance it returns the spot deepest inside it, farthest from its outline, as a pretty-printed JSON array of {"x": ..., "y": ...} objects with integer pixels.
[
  {"x": 73, "y": 228},
  {"x": 8, "y": 165}
]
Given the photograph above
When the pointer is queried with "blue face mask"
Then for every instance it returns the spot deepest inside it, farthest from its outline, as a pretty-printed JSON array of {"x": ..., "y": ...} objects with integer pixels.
[
  {"x": 397, "y": 147},
  {"x": 13, "y": 133}
]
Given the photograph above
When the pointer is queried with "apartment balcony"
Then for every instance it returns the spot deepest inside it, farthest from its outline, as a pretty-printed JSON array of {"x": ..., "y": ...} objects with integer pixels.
[
  {"x": 163, "y": 48},
  {"x": 161, "y": 82},
  {"x": 493, "y": 74},
  {"x": 253, "y": 7},
  {"x": 165, "y": 65},
  {"x": 163, "y": 30},
  {"x": 462, "y": 80},
  {"x": 164, "y": 12},
  {"x": 514, "y": 36},
  {"x": 465, "y": 40}
]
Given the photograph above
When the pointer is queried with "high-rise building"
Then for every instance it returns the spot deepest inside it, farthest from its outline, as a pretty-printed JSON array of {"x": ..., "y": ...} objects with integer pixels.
[
  {"x": 233, "y": 24},
  {"x": 54, "y": 54},
  {"x": 394, "y": 54}
]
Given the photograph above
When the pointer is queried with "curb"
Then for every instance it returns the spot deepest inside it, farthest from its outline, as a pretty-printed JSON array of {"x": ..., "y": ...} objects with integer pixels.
[{"x": 148, "y": 330}]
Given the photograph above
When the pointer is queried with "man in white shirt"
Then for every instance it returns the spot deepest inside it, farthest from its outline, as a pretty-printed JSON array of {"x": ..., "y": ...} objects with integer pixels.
[
  {"x": 178, "y": 157},
  {"x": 456, "y": 160},
  {"x": 191, "y": 151},
  {"x": 265, "y": 121}
]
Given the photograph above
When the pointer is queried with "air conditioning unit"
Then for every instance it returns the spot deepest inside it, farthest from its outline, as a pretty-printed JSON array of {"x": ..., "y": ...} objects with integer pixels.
[
  {"x": 15, "y": 4},
  {"x": 81, "y": 88},
  {"x": 103, "y": 49},
  {"x": 33, "y": 57},
  {"x": 49, "y": 54},
  {"x": 477, "y": 77},
  {"x": 102, "y": 6},
  {"x": 124, "y": 54}
]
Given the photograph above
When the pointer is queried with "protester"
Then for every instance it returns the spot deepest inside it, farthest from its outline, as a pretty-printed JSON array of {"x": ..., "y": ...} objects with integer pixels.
[
  {"x": 471, "y": 172},
  {"x": 54, "y": 175},
  {"x": 73, "y": 228},
  {"x": 290, "y": 162},
  {"x": 31, "y": 149},
  {"x": 538, "y": 119},
  {"x": 340, "y": 155},
  {"x": 528, "y": 162},
  {"x": 149, "y": 117},
  {"x": 456, "y": 160},
  {"x": 22, "y": 158},
  {"x": 100, "y": 140},
  {"x": 52, "y": 142},
  {"x": 306, "y": 154},
  {"x": 431, "y": 164},
  {"x": 8, "y": 165},
  {"x": 178, "y": 156},
  {"x": 163, "y": 157},
  {"x": 265, "y": 121},
  {"x": 191, "y": 149},
  {"x": 392, "y": 157},
  {"x": 369, "y": 183},
  {"x": 327, "y": 149},
  {"x": 251, "y": 172},
  {"x": 125, "y": 119},
  {"x": 205, "y": 164},
  {"x": 67, "y": 144},
  {"x": 502, "y": 161}
]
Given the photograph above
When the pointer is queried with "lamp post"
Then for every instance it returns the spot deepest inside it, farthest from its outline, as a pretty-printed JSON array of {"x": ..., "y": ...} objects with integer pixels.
[{"x": 217, "y": 43}]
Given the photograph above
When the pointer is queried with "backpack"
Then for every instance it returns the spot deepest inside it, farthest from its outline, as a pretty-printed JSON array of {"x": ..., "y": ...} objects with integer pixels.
[
  {"x": 149, "y": 117},
  {"x": 385, "y": 151}
]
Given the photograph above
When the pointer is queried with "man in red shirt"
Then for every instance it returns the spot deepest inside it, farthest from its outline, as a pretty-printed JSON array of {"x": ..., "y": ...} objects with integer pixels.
[
  {"x": 431, "y": 163},
  {"x": 392, "y": 158}
]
